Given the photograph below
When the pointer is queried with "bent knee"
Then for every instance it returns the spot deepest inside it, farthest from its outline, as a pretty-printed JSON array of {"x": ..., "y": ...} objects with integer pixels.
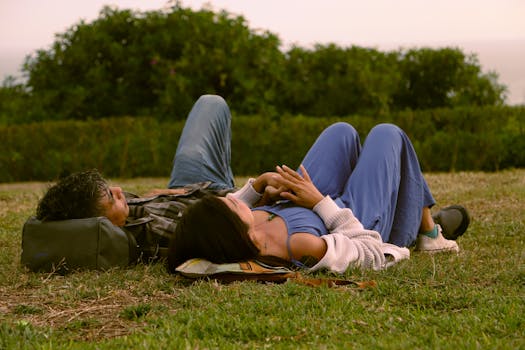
[
  {"x": 387, "y": 129},
  {"x": 341, "y": 128},
  {"x": 211, "y": 99}
]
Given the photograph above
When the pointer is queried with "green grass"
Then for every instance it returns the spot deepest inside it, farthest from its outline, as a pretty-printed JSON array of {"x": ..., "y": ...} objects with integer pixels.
[{"x": 472, "y": 300}]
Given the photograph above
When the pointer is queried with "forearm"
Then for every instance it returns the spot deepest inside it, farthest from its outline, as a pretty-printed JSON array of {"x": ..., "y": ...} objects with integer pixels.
[
  {"x": 343, "y": 252},
  {"x": 348, "y": 243},
  {"x": 167, "y": 191},
  {"x": 336, "y": 218}
]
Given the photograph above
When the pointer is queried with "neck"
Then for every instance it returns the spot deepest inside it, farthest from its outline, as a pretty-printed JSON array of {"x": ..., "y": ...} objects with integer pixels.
[
  {"x": 260, "y": 238},
  {"x": 264, "y": 233}
]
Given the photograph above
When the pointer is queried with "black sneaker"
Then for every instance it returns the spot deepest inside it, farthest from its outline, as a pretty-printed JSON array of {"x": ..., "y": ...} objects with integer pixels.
[{"x": 454, "y": 221}]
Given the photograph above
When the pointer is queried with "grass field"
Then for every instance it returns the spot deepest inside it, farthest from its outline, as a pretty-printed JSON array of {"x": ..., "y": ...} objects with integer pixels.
[{"x": 475, "y": 299}]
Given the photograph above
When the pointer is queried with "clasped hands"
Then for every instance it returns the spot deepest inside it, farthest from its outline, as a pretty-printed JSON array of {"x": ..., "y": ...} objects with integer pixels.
[{"x": 287, "y": 183}]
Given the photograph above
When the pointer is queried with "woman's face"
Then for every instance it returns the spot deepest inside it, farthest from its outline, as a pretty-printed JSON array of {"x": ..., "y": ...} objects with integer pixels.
[
  {"x": 245, "y": 214},
  {"x": 240, "y": 208}
]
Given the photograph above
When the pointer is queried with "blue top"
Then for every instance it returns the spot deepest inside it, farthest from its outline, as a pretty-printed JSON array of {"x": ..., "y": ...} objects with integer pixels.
[{"x": 297, "y": 219}]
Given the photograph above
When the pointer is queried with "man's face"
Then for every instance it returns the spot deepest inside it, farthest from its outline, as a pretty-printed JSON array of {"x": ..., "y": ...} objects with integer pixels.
[{"x": 115, "y": 205}]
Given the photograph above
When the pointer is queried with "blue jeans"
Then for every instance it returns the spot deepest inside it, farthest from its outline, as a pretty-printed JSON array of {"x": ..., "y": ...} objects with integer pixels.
[
  {"x": 204, "y": 150},
  {"x": 380, "y": 181}
]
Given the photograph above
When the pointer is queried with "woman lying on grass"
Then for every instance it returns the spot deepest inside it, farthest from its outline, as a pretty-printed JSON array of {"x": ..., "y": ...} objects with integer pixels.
[{"x": 347, "y": 206}]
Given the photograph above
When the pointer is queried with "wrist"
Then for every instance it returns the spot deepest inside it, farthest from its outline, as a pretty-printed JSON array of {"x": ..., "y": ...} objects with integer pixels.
[
  {"x": 317, "y": 200},
  {"x": 248, "y": 194}
]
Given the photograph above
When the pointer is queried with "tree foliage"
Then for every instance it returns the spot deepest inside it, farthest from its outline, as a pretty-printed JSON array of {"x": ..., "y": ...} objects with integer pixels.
[
  {"x": 330, "y": 80},
  {"x": 13, "y": 102},
  {"x": 157, "y": 63},
  {"x": 127, "y": 63},
  {"x": 444, "y": 78}
]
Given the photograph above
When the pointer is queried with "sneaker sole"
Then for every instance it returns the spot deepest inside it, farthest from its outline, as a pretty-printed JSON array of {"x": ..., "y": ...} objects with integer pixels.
[
  {"x": 442, "y": 250},
  {"x": 462, "y": 226}
]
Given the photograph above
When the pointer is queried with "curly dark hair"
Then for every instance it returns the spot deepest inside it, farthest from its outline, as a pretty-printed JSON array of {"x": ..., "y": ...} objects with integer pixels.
[{"x": 75, "y": 196}]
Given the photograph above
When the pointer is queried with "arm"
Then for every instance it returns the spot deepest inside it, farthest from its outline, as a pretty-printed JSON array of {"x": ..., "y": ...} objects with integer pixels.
[
  {"x": 348, "y": 242},
  {"x": 161, "y": 191}
]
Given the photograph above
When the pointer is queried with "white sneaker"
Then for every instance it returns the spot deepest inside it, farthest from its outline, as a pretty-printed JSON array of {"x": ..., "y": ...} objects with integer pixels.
[{"x": 435, "y": 245}]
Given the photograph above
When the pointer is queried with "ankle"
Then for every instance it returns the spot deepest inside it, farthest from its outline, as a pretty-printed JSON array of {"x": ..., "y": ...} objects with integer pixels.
[{"x": 431, "y": 233}]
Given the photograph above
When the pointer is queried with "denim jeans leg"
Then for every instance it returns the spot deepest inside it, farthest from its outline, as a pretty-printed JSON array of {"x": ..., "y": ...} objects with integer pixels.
[
  {"x": 332, "y": 158},
  {"x": 204, "y": 149},
  {"x": 387, "y": 191}
]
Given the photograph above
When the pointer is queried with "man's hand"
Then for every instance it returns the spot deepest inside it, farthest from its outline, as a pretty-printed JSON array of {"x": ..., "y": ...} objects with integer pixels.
[{"x": 301, "y": 191}]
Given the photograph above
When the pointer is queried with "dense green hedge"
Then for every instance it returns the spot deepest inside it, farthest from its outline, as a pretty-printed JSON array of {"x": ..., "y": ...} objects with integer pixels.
[{"x": 484, "y": 139}]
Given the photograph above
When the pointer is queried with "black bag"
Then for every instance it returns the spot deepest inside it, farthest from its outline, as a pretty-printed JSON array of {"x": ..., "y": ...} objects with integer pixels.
[{"x": 91, "y": 243}]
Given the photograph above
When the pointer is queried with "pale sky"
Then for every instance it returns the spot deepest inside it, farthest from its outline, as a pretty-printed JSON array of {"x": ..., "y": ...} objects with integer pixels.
[{"x": 493, "y": 29}]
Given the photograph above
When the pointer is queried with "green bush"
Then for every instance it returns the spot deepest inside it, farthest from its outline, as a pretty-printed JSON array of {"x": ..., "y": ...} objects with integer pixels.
[
  {"x": 486, "y": 139},
  {"x": 466, "y": 138}
]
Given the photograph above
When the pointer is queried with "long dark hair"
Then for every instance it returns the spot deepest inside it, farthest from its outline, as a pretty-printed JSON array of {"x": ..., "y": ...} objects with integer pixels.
[{"x": 210, "y": 230}]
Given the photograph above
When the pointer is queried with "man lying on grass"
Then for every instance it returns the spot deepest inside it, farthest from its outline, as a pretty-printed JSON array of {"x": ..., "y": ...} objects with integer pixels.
[{"x": 346, "y": 206}]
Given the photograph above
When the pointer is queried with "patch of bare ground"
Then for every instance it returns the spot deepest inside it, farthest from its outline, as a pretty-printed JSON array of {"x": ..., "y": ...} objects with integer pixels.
[{"x": 119, "y": 312}]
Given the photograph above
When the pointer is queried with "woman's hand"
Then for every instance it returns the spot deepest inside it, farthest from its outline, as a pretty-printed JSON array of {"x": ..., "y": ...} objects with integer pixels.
[
  {"x": 301, "y": 191},
  {"x": 270, "y": 186},
  {"x": 270, "y": 195}
]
